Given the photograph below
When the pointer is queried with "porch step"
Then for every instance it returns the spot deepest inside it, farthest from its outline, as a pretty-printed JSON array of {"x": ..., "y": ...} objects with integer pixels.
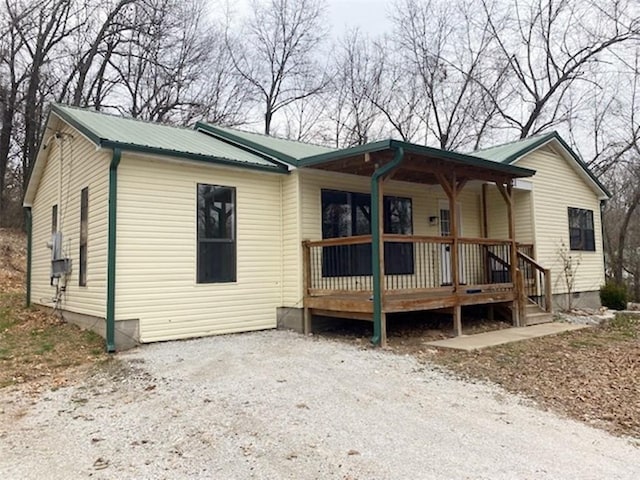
[
  {"x": 535, "y": 315},
  {"x": 537, "y": 318}
]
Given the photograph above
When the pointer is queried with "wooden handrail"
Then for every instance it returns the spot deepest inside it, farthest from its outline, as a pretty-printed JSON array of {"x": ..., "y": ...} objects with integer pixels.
[
  {"x": 496, "y": 258},
  {"x": 546, "y": 278},
  {"x": 530, "y": 260},
  {"x": 331, "y": 242},
  {"x": 399, "y": 238}
]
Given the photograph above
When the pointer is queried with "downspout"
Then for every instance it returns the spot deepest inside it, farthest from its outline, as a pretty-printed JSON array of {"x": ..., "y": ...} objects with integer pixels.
[
  {"x": 29, "y": 226},
  {"x": 111, "y": 251},
  {"x": 375, "y": 243}
]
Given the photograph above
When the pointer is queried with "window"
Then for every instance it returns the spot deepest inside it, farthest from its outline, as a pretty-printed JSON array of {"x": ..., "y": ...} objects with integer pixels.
[
  {"x": 54, "y": 219},
  {"x": 84, "y": 229},
  {"x": 346, "y": 214},
  {"x": 581, "y": 235},
  {"x": 216, "y": 234}
]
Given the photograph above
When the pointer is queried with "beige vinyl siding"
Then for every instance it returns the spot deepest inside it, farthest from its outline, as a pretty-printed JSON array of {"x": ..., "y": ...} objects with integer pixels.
[
  {"x": 558, "y": 186},
  {"x": 157, "y": 250},
  {"x": 291, "y": 241},
  {"x": 83, "y": 166},
  {"x": 497, "y": 215}
]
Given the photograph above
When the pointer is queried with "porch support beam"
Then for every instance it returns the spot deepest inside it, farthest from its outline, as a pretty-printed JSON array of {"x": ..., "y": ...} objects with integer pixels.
[
  {"x": 377, "y": 246},
  {"x": 507, "y": 194},
  {"x": 452, "y": 187},
  {"x": 485, "y": 219}
]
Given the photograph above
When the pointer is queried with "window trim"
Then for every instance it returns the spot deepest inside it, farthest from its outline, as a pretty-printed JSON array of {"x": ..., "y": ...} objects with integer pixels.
[
  {"x": 587, "y": 242},
  {"x": 233, "y": 240},
  {"x": 83, "y": 251}
]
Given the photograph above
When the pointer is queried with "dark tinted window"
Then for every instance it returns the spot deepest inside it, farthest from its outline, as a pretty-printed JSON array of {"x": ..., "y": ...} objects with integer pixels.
[{"x": 216, "y": 234}]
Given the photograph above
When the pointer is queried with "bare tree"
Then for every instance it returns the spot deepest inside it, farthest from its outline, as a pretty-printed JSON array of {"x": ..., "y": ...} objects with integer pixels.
[
  {"x": 549, "y": 45},
  {"x": 354, "y": 91},
  {"x": 276, "y": 53},
  {"x": 446, "y": 48}
]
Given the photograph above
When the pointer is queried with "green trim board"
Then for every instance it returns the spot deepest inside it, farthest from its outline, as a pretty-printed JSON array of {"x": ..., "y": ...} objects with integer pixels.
[
  {"x": 431, "y": 152},
  {"x": 376, "y": 274},
  {"x": 29, "y": 227},
  {"x": 111, "y": 251},
  {"x": 127, "y": 134},
  {"x": 510, "y": 153},
  {"x": 288, "y": 151}
]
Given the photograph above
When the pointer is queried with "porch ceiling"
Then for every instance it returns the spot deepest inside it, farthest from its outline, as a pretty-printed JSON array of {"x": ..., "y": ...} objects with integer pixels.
[{"x": 420, "y": 164}]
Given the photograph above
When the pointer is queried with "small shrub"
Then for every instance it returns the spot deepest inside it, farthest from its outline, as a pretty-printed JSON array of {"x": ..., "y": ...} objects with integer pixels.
[{"x": 613, "y": 296}]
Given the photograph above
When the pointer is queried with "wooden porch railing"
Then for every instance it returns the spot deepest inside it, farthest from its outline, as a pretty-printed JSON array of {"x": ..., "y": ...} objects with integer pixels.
[
  {"x": 413, "y": 263},
  {"x": 537, "y": 281}
]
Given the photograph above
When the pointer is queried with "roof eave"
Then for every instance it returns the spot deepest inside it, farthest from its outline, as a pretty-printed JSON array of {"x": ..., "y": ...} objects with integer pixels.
[
  {"x": 419, "y": 149},
  {"x": 129, "y": 147},
  {"x": 464, "y": 159}
]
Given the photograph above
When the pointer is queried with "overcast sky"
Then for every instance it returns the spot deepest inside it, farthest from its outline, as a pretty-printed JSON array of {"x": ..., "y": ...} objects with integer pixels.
[{"x": 370, "y": 16}]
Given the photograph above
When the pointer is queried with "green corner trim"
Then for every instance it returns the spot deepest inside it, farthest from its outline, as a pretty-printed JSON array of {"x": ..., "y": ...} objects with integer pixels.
[
  {"x": 29, "y": 227},
  {"x": 111, "y": 251}
]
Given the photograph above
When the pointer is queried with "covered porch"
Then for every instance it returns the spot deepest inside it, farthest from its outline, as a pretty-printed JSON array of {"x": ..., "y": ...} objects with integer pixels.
[{"x": 369, "y": 276}]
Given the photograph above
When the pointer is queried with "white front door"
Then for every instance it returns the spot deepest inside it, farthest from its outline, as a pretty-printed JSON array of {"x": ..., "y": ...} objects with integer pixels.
[{"x": 445, "y": 249}]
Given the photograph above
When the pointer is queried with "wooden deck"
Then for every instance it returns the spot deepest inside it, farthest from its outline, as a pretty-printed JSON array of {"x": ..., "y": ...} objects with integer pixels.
[
  {"x": 359, "y": 305},
  {"x": 337, "y": 283}
]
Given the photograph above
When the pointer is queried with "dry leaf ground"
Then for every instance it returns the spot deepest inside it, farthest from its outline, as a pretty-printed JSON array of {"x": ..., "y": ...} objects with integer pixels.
[{"x": 34, "y": 345}]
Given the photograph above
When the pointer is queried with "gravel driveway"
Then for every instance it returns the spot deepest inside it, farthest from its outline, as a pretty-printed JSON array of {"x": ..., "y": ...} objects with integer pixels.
[{"x": 276, "y": 405}]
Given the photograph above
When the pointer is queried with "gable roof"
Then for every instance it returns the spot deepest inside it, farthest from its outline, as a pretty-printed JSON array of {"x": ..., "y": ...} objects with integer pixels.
[
  {"x": 288, "y": 151},
  {"x": 128, "y": 134},
  {"x": 131, "y": 135},
  {"x": 510, "y": 153}
]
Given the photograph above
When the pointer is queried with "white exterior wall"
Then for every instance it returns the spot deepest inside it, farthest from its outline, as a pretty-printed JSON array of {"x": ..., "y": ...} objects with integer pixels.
[
  {"x": 157, "y": 250},
  {"x": 557, "y": 186},
  {"x": 83, "y": 166}
]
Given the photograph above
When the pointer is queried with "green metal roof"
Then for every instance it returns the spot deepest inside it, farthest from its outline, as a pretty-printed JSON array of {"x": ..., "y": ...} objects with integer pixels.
[
  {"x": 110, "y": 131},
  {"x": 289, "y": 151},
  {"x": 511, "y": 152},
  {"x": 431, "y": 152}
]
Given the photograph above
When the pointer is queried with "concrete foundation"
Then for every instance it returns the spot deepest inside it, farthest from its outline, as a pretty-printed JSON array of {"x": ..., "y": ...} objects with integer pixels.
[
  {"x": 590, "y": 299},
  {"x": 127, "y": 331},
  {"x": 290, "y": 318},
  {"x": 293, "y": 319}
]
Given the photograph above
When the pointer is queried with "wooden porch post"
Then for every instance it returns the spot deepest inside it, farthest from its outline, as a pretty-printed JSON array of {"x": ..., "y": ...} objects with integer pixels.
[
  {"x": 485, "y": 220},
  {"x": 507, "y": 194},
  {"x": 451, "y": 188}
]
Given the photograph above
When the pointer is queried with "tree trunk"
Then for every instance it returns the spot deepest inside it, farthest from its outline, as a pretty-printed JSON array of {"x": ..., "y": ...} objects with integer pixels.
[{"x": 622, "y": 237}]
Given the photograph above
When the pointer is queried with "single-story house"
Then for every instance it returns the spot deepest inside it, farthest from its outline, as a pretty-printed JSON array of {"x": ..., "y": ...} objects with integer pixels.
[{"x": 147, "y": 232}]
